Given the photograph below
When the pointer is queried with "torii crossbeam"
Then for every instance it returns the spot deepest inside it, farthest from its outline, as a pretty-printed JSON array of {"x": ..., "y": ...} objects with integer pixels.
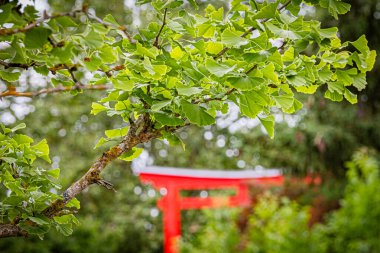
[{"x": 174, "y": 180}]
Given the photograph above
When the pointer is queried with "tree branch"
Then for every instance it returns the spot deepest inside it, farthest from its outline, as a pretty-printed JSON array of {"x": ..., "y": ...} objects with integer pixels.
[
  {"x": 11, "y": 230},
  {"x": 159, "y": 32},
  {"x": 140, "y": 132},
  {"x": 32, "y": 64},
  {"x": 71, "y": 70},
  {"x": 224, "y": 50},
  {"x": 10, "y": 31},
  {"x": 14, "y": 93},
  {"x": 55, "y": 68},
  {"x": 16, "y": 65}
]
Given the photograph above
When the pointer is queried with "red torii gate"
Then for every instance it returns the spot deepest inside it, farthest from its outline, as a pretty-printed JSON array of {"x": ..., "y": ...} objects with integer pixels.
[{"x": 174, "y": 180}]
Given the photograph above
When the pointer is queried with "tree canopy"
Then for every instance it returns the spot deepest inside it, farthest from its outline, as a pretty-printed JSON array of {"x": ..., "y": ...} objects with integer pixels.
[{"x": 182, "y": 69}]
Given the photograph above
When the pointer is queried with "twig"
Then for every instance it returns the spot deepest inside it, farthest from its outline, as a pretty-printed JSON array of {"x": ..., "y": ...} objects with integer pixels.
[
  {"x": 106, "y": 24},
  {"x": 32, "y": 64},
  {"x": 10, "y": 31},
  {"x": 57, "y": 67},
  {"x": 282, "y": 47},
  {"x": 159, "y": 32},
  {"x": 106, "y": 184},
  {"x": 251, "y": 69},
  {"x": 116, "y": 68},
  {"x": 284, "y": 5},
  {"x": 224, "y": 50},
  {"x": 54, "y": 44},
  {"x": 14, "y": 93},
  {"x": 16, "y": 65},
  {"x": 127, "y": 34},
  {"x": 221, "y": 52},
  {"x": 71, "y": 71}
]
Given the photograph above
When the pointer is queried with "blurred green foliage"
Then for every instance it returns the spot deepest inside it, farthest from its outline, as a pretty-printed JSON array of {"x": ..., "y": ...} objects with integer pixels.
[
  {"x": 355, "y": 227},
  {"x": 279, "y": 225}
]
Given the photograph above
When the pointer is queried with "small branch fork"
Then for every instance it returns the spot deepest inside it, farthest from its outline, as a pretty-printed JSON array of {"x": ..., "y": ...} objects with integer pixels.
[
  {"x": 160, "y": 31},
  {"x": 224, "y": 50}
]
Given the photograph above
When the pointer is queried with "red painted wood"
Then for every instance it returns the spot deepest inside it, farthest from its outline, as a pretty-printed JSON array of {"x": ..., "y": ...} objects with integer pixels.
[
  {"x": 171, "y": 219},
  {"x": 175, "y": 180}
]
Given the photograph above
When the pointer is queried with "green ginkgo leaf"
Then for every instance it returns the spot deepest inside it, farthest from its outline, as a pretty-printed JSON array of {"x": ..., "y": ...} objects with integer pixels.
[{"x": 196, "y": 114}]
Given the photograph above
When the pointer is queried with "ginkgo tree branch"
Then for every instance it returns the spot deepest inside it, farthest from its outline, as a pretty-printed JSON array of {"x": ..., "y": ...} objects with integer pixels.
[
  {"x": 53, "y": 69},
  {"x": 11, "y": 31},
  {"x": 11, "y": 230},
  {"x": 140, "y": 131},
  {"x": 71, "y": 68},
  {"x": 34, "y": 64},
  {"x": 17, "y": 65},
  {"x": 13, "y": 93}
]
